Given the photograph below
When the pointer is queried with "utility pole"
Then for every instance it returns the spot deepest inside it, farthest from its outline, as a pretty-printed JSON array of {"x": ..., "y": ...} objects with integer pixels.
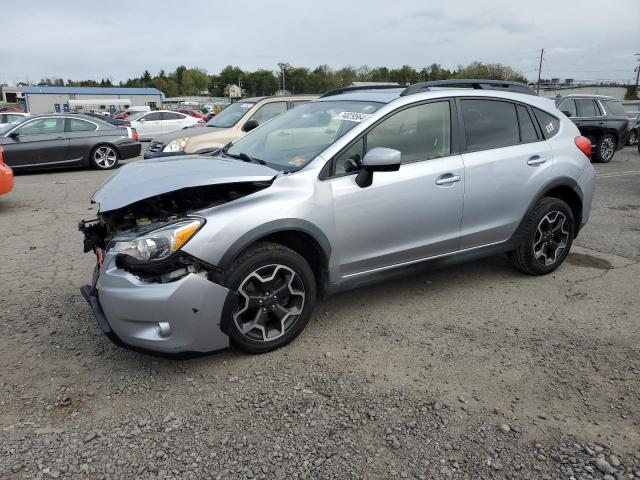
[
  {"x": 540, "y": 71},
  {"x": 637, "y": 74},
  {"x": 283, "y": 66}
]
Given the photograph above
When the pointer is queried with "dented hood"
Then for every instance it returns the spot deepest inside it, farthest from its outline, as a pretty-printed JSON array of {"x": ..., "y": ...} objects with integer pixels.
[{"x": 144, "y": 179}]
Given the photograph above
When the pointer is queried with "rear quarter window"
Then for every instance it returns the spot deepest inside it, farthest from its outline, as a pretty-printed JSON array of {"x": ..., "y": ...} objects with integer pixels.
[
  {"x": 548, "y": 123},
  {"x": 614, "y": 107}
]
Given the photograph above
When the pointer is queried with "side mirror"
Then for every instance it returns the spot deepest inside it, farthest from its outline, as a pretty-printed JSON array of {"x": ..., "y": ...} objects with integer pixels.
[
  {"x": 379, "y": 159},
  {"x": 250, "y": 125},
  {"x": 14, "y": 134},
  {"x": 567, "y": 113}
]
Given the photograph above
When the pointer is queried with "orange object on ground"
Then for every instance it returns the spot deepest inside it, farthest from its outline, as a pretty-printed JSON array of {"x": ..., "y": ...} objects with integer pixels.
[{"x": 6, "y": 175}]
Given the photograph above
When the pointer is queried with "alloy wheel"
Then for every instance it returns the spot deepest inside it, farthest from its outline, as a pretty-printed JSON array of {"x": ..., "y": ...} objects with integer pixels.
[
  {"x": 633, "y": 137},
  {"x": 607, "y": 148},
  {"x": 272, "y": 300},
  {"x": 105, "y": 157},
  {"x": 551, "y": 238}
]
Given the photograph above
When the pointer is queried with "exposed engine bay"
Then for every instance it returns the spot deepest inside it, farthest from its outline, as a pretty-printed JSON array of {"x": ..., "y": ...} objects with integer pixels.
[{"x": 150, "y": 213}]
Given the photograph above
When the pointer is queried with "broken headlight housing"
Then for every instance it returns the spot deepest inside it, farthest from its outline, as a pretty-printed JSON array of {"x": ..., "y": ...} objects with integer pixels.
[
  {"x": 177, "y": 145},
  {"x": 156, "y": 244}
]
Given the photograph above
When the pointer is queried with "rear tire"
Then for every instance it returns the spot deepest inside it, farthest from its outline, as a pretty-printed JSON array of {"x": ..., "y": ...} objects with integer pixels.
[
  {"x": 104, "y": 157},
  {"x": 277, "y": 294},
  {"x": 605, "y": 149},
  {"x": 633, "y": 137},
  {"x": 550, "y": 229}
]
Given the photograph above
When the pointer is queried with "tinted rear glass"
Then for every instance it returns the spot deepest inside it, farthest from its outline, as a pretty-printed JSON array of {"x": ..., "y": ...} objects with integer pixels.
[
  {"x": 613, "y": 107},
  {"x": 489, "y": 124},
  {"x": 548, "y": 123}
]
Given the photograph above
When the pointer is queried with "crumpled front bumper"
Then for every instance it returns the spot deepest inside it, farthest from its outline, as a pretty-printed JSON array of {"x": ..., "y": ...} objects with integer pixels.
[{"x": 179, "y": 317}]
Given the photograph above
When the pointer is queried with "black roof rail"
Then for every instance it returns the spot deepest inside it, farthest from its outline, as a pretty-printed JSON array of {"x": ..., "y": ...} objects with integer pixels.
[
  {"x": 476, "y": 84},
  {"x": 355, "y": 88}
]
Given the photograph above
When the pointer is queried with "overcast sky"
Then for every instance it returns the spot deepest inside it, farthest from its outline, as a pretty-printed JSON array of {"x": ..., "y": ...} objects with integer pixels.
[{"x": 80, "y": 39}]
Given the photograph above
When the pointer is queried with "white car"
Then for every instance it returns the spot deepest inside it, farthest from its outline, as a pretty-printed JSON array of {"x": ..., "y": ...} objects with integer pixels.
[
  {"x": 151, "y": 124},
  {"x": 11, "y": 117}
]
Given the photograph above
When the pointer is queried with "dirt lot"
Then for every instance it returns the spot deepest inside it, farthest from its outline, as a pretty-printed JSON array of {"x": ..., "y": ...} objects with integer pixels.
[{"x": 471, "y": 372}]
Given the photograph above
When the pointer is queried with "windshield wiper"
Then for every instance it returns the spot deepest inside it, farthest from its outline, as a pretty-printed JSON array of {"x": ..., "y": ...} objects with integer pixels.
[{"x": 245, "y": 158}]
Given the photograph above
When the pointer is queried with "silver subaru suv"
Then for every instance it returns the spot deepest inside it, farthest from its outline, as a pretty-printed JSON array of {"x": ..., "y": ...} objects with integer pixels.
[{"x": 196, "y": 253}]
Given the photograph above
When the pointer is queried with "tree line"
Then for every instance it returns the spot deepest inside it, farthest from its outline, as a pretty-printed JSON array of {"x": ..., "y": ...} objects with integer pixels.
[{"x": 196, "y": 81}]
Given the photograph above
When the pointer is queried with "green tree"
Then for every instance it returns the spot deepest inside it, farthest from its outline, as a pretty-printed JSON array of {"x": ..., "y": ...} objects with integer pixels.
[
  {"x": 631, "y": 93},
  {"x": 261, "y": 82}
]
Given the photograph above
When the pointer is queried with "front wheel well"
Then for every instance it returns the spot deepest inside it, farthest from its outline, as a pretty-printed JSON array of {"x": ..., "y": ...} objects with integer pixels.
[
  {"x": 306, "y": 246},
  {"x": 571, "y": 198}
]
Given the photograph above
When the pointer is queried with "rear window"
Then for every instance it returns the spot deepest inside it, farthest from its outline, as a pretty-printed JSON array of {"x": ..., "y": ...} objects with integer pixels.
[
  {"x": 548, "y": 123},
  {"x": 613, "y": 107}
]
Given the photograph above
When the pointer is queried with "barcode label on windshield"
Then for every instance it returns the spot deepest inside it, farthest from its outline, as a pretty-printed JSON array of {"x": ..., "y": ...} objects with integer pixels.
[{"x": 352, "y": 116}]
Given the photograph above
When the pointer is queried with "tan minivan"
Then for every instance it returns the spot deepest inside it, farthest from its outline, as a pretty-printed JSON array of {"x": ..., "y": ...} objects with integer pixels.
[{"x": 230, "y": 124}]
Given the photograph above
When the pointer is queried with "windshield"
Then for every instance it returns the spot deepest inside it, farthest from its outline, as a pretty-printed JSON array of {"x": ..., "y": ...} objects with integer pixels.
[
  {"x": 230, "y": 115},
  {"x": 4, "y": 129},
  {"x": 293, "y": 139}
]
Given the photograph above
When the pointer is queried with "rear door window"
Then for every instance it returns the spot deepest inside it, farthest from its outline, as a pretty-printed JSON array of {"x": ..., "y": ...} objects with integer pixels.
[
  {"x": 586, "y": 107},
  {"x": 172, "y": 116},
  {"x": 548, "y": 123},
  {"x": 527, "y": 130},
  {"x": 490, "y": 124}
]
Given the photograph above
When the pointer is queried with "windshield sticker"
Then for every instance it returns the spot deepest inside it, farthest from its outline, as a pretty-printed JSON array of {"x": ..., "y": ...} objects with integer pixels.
[
  {"x": 297, "y": 161},
  {"x": 352, "y": 116}
]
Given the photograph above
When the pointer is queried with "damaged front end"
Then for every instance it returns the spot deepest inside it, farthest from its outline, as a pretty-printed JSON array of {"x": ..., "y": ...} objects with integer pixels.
[{"x": 147, "y": 292}]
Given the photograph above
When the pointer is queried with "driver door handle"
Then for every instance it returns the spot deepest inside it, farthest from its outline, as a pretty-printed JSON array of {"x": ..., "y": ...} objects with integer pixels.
[{"x": 448, "y": 179}]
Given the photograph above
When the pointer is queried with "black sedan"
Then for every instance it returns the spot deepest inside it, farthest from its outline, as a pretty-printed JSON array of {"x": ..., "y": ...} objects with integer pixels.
[{"x": 66, "y": 140}]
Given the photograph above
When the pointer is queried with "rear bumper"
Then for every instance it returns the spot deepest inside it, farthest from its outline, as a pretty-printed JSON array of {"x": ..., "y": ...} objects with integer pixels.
[
  {"x": 587, "y": 184},
  {"x": 129, "y": 150},
  {"x": 6, "y": 179},
  {"x": 179, "y": 317}
]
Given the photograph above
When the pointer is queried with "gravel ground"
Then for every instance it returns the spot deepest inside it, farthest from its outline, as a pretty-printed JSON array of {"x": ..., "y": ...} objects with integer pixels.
[{"x": 474, "y": 372}]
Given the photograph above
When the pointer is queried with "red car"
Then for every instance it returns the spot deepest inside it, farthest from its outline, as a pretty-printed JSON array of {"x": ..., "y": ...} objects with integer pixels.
[
  {"x": 6, "y": 175},
  {"x": 193, "y": 113},
  {"x": 120, "y": 116}
]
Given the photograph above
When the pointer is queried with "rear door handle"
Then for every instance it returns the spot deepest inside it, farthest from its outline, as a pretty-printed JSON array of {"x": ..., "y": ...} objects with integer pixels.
[
  {"x": 536, "y": 160},
  {"x": 448, "y": 179}
]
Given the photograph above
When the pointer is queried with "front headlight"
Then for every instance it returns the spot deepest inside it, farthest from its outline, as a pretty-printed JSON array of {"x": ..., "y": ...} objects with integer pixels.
[
  {"x": 157, "y": 244},
  {"x": 176, "y": 145}
]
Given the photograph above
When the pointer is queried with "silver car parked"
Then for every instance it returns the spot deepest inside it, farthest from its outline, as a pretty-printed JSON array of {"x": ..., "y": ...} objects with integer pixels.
[{"x": 200, "y": 252}]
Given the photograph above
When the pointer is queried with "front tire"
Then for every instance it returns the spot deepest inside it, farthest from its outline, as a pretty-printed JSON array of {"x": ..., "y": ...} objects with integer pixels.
[
  {"x": 633, "y": 137},
  {"x": 606, "y": 149},
  {"x": 277, "y": 293},
  {"x": 550, "y": 229},
  {"x": 104, "y": 157}
]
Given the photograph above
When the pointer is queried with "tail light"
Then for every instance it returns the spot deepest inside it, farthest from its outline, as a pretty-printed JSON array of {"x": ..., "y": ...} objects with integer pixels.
[
  {"x": 1, "y": 155},
  {"x": 584, "y": 145},
  {"x": 132, "y": 133}
]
